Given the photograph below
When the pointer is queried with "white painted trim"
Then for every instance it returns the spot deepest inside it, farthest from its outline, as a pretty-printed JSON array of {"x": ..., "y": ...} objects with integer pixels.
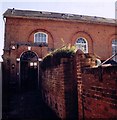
[{"x": 29, "y": 48}]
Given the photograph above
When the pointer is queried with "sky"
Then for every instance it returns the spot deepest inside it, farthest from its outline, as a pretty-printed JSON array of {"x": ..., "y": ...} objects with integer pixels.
[{"x": 100, "y": 8}]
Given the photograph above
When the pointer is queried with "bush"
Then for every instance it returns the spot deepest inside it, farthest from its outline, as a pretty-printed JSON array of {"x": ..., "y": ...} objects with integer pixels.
[{"x": 54, "y": 58}]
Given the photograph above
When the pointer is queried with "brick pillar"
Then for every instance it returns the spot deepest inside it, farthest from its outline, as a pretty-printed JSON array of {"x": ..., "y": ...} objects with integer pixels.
[
  {"x": 70, "y": 90},
  {"x": 78, "y": 63},
  {"x": 59, "y": 89}
]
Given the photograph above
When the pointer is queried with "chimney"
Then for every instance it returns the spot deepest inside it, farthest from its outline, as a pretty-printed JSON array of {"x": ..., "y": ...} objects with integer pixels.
[{"x": 13, "y": 10}]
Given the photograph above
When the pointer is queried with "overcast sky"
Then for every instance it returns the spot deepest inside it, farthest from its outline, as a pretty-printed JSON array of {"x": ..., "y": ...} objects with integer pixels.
[{"x": 101, "y": 8}]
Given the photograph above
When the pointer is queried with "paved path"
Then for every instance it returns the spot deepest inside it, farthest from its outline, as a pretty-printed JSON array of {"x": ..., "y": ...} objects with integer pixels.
[{"x": 29, "y": 106}]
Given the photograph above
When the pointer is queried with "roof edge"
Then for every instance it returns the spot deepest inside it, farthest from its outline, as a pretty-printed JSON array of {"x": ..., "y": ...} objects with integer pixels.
[{"x": 54, "y": 15}]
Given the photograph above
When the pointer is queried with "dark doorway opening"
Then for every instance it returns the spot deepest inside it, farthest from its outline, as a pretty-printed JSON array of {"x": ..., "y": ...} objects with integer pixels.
[
  {"x": 28, "y": 104},
  {"x": 28, "y": 71}
]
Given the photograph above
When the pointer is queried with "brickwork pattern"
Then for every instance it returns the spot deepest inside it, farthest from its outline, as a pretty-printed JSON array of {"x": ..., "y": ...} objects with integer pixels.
[
  {"x": 72, "y": 83},
  {"x": 59, "y": 90},
  {"x": 23, "y": 30},
  {"x": 97, "y": 91}
]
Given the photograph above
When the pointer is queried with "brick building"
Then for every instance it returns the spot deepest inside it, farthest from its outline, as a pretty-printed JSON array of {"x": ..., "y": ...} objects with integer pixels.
[{"x": 30, "y": 35}]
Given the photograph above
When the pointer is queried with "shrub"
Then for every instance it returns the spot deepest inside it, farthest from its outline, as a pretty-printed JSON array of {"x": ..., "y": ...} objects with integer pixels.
[{"x": 54, "y": 58}]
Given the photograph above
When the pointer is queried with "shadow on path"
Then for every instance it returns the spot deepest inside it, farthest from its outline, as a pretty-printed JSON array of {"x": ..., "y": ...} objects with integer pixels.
[{"x": 29, "y": 106}]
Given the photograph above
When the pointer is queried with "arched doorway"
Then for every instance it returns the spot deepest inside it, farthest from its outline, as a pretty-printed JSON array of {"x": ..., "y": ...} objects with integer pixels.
[{"x": 28, "y": 71}]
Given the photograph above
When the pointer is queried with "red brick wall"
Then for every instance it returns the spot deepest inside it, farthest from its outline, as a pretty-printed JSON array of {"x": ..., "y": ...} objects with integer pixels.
[
  {"x": 22, "y": 30},
  {"x": 59, "y": 89},
  {"x": 97, "y": 91},
  {"x": 18, "y": 29}
]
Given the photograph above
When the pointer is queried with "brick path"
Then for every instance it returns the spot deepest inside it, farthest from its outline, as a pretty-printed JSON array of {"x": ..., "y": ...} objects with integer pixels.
[{"x": 29, "y": 106}]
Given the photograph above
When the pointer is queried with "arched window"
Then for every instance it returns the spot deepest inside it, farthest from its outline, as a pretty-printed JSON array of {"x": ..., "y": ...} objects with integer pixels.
[
  {"x": 82, "y": 44},
  {"x": 114, "y": 49},
  {"x": 40, "y": 37}
]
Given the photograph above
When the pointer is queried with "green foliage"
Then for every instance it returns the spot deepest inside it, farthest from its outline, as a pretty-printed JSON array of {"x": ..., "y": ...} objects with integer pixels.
[
  {"x": 54, "y": 58},
  {"x": 64, "y": 52}
]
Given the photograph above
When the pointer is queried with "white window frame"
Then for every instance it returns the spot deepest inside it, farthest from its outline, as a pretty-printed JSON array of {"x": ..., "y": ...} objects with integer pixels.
[
  {"x": 46, "y": 41},
  {"x": 79, "y": 45},
  {"x": 114, "y": 49}
]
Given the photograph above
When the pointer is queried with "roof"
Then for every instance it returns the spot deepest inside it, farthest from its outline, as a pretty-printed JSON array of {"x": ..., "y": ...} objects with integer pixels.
[{"x": 56, "y": 16}]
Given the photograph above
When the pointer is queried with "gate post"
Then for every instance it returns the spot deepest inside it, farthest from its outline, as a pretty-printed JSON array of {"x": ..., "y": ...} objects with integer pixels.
[{"x": 79, "y": 57}]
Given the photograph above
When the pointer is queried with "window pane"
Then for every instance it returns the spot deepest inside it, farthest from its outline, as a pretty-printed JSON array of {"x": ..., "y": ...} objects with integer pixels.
[
  {"x": 81, "y": 43},
  {"x": 40, "y": 38},
  {"x": 81, "y": 40},
  {"x": 114, "y": 49}
]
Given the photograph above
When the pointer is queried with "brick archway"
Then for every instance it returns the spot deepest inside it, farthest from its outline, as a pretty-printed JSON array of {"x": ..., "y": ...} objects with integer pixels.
[{"x": 28, "y": 71}]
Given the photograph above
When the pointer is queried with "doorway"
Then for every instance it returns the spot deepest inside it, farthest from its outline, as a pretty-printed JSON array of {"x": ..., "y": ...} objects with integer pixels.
[{"x": 28, "y": 71}]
